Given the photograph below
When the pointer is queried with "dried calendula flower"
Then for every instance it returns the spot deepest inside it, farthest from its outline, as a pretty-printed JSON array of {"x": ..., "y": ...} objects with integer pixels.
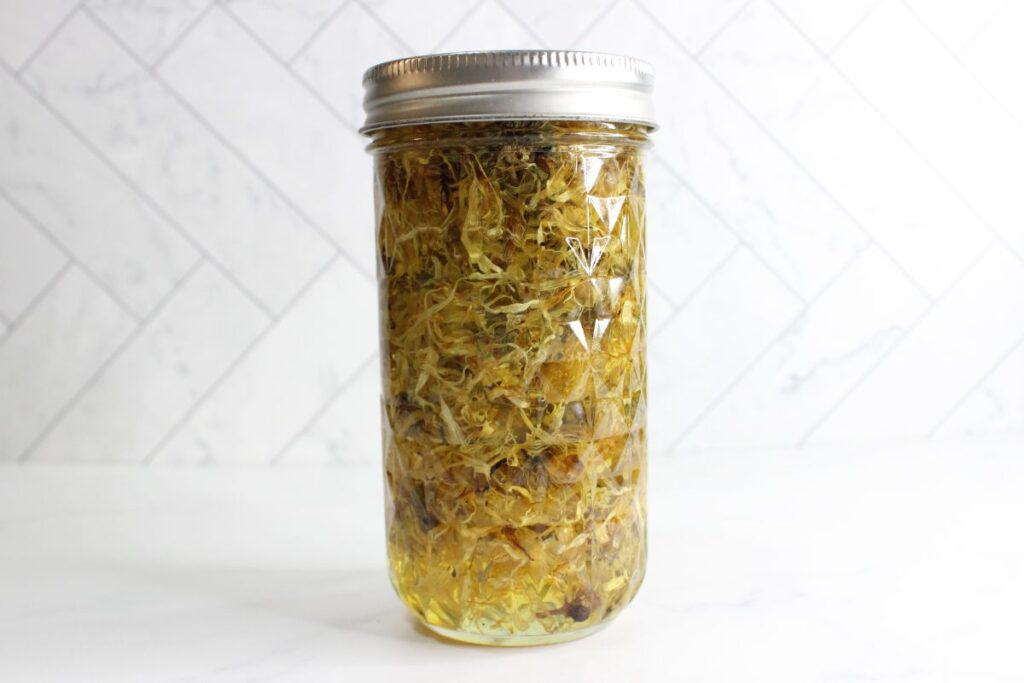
[{"x": 511, "y": 263}]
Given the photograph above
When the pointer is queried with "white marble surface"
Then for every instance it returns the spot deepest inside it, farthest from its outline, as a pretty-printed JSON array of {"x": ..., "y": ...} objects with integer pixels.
[
  {"x": 878, "y": 564},
  {"x": 836, "y": 239}
]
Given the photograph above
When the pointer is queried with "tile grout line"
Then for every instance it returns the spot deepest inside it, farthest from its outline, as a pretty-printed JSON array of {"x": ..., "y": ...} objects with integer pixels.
[
  {"x": 235, "y": 151},
  {"x": 660, "y": 292},
  {"x": 793, "y": 158},
  {"x": 458, "y": 24},
  {"x": 320, "y": 411},
  {"x": 782, "y": 334},
  {"x": 175, "y": 44},
  {"x": 594, "y": 22},
  {"x": 522, "y": 24},
  {"x": 48, "y": 39},
  {"x": 41, "y": 295},
  {"x": 69, "y": 255},
  {"x": 148, "y": 201},
  {"x": 722, "y": 29},
  {"x": 963, "y": 65},
  {"x": 705, "y": 281},
  {"x": 97, "y": 374},
  {"x": 303, "y": 83},
  {"x": 317, "y": 32},
  {"x": 906, "y": 140},
  {"x": 741, "y": 243},
  {"x": 820, "y": 422},
  {"x": 849, "y": 32},
  {"x": 229, "y": 370},
  {"x": 977, "y": 385},
  {"x": 733, "y": 249},
  {"x": 387, "y": 29},
  {"x": 737, "y": 235},
  {"x": 984, "y": 27}
]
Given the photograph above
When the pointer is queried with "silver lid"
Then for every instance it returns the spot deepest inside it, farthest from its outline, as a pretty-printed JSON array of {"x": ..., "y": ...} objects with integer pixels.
[{"x": 508, "y": 84}]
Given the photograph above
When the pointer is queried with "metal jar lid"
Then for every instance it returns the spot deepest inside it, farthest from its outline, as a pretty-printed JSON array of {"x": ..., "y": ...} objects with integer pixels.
[{"x": 508, "y": 85}]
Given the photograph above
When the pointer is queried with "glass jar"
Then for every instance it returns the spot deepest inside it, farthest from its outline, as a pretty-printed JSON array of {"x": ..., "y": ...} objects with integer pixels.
[{"x": 512, "y": 316}]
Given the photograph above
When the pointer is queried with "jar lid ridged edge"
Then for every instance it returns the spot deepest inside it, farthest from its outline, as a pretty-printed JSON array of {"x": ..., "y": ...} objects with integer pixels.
[
  {"x": 503, "y": 59},
  {"x": 508, "y": 84}
]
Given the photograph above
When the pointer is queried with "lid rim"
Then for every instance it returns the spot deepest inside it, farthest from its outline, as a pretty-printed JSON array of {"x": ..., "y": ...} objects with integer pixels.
[
  {"x": 500, "y": 59},
  {"x": 508, "y": 85}
]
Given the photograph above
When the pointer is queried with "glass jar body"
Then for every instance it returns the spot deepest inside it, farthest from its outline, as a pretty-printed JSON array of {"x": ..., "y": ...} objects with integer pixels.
[{"x": 511, "y": 268}]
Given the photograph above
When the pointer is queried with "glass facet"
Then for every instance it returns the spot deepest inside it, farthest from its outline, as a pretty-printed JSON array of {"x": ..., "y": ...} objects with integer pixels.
[{"x": 512, "y": 289}]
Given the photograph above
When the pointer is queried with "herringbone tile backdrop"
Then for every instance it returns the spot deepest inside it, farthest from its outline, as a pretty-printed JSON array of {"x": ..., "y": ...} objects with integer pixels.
[{"x": 836, "y": 240}]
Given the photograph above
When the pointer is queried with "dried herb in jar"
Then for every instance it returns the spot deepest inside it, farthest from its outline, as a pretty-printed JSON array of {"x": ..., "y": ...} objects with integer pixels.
[{"x": 511, "y": 264}]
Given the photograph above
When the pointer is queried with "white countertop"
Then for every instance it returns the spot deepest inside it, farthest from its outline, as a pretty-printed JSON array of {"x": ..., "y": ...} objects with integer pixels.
[{"x": 894, "y": 564}]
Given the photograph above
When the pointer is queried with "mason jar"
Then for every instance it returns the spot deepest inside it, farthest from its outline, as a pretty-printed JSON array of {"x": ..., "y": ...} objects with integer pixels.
[{"x": 510, "y": 226}]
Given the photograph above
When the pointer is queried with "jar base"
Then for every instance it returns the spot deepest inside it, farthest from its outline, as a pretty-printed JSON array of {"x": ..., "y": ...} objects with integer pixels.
[{"x": 513, "y": 641}]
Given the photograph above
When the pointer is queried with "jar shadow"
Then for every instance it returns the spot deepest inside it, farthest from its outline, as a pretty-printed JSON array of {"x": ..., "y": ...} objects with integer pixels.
[{"x": 316, "y": 614}]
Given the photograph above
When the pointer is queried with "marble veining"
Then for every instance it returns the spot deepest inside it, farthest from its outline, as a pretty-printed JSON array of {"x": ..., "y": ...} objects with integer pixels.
[
  {"x": 897, "y": 564},
  {"x": 836, "y": 242}
]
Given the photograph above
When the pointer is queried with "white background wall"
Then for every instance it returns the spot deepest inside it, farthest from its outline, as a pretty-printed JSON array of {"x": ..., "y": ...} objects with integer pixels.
[{"x": 836, "y": 239}]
